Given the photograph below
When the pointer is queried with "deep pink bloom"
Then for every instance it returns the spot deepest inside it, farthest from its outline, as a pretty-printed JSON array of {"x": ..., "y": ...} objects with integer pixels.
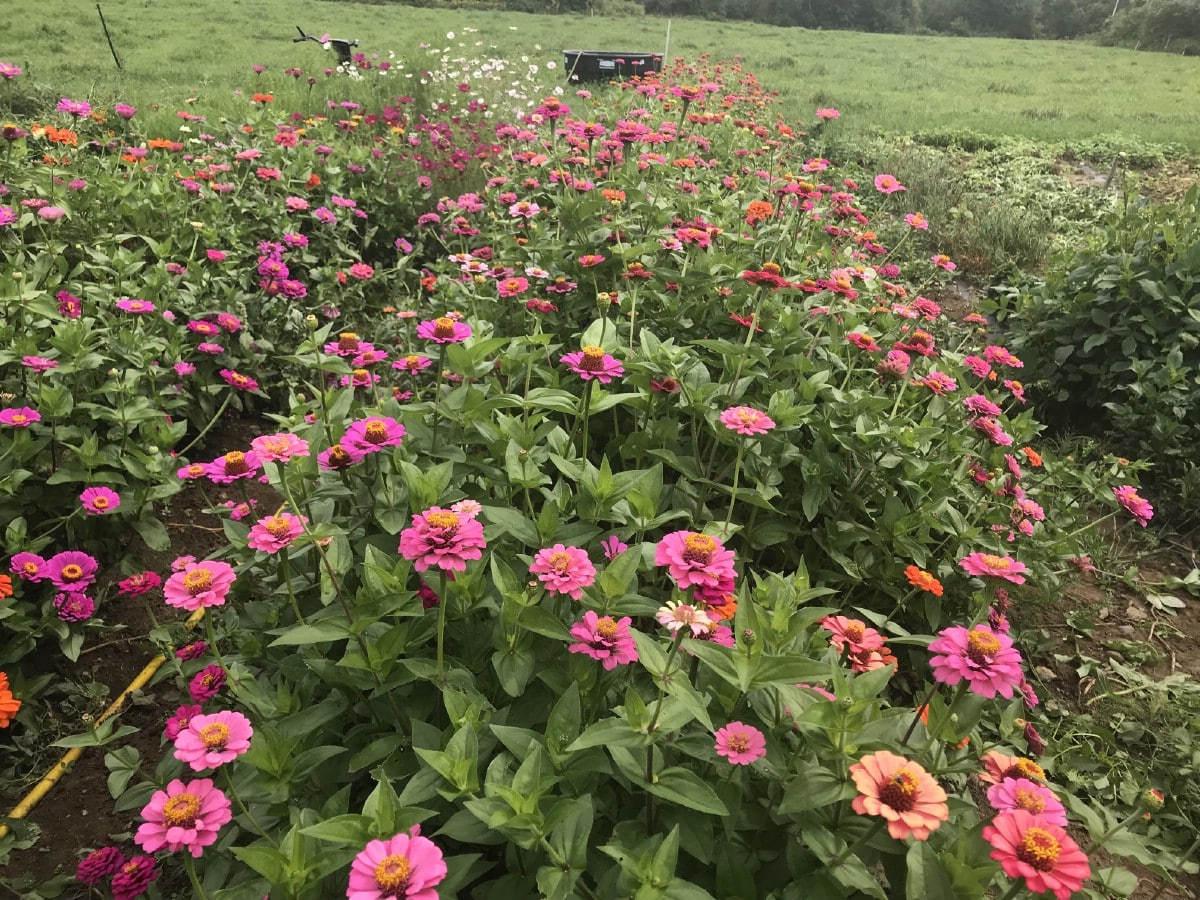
[
  {"x": 444, "y": 331},
  {"x": 1030, "y": 847},
  {"x": 279, "y": 447},
  {"x": 1136, "y": 506},
  {"x": 981, "y": 405},
  {"x": 613, "y": 547},
  {"x": 372, "y": 435},
  {"x": 135, "y": 306},
  {"x": 74, "y": 606},
  {"x": 1021, "y": 793},
  {"x": 68, "y": 305},
  {"x": 987, "y": 660},
  {"x": 696, "y": 560},
  {"x": 442, "y": 538},
  {"x": 39, "y": 364},
  {"x": 232, "y": 466},
  {"x": 125, "y": 111},
  {"x": 604, "y": 639},
  {"x": 986, "y": 565},
  {"x": 746, "y": 420},
  {"x": 404, "y": 867},
  {"x": 338, "y": 457},
  {"x": 564, "y": 570},
  {"x": 19, "y": 417},
  {"x": 99, "y": 864},
  {"x": 361, "y": 271},
  {"x": 273, "y": 533},
  {"x": 863, "y": 341},
  {"x": 828, "y": 113},
  {"x": 938, "y": 382},
  {"x": 213, "y": 740},
  {"x": 194, "y": 650},
  {"x": 28, "y": 566},
  {"x": 71, "y": 570},
  {"x": 199, "y": 585},
  {"x": 593, "y": 362},
  {"x": 99, "y": 500},
  {"x": 412, "y": 364},
  {"x": 186, "y": 816},
  {"x": 1002, "y": 356},
  {"x": 943, "y": 262},
  {"x": 992, "y": 431},
  {"x": 238, "y": 380},
  {"x": 134, "y": 878},
  {"x": 179, "y": 721},
  {"x": 741, "y": 744},
  {"x": 206, "y": 684}
]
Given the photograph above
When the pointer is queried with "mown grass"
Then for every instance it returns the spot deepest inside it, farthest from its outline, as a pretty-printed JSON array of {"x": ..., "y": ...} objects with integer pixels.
[{"x": 1044, "y": 91}]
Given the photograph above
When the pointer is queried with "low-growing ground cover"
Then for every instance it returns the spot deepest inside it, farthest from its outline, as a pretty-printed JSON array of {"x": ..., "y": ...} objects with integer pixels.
[{"x": 626, "y": 500}]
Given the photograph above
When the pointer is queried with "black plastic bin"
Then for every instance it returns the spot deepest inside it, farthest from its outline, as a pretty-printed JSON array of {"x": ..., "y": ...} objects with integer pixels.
[{"x": 607, "y": 65}]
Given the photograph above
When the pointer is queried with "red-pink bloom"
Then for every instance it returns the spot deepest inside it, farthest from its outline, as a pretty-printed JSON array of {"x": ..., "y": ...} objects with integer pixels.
[
  {"x": 1030, "y": 847},
  {"x": 992, "y": 431},
  {"x": 232, "y": 466},
  {"x": 985, "y": 565},
  {"x": 194, "y": 650},
  {"x": 444, "y": 330},
  {"x": 71, "y": 570},
  {"x": 1136, "y": 506},
  {"x": 99, "y": 864},
  {"x": 361, "y": 271},
  {"x": 943, "y": 262},
  {"x": 1001, "y": 356},
  {"x": 746, "y": 420},
  {"x": 1021, "y": 793},
  {"x": 863, "y": 341},
  {"x": 211, "y": 741},
  {"x": 238, "y": 380},
  {"x": 512, "y": 287},
  {"x": 900, "y": 791},
  {"x": 981, "y": 405},
  {"x": 604, "y": 639},
  {"x": 279, "y": 447},
  {"x": 136, "y": 585},
  {"x": 134, "y": 878},
  {"x": 273, "y": 533},
  {"x": 938, "y": 382},
  {"x": 442, "y": 538},
  {"x": 99, "y": 500},
  {"x": 179, "y": 721},
  {"x": 405, "y": 867},
  {"x": 564, "y": 570},
  {"x": 186, "y": 816},
  {"x": 206, "y": 684},
  {"x": 696, "y": 560},
  {"x": 988, "y": 661},
  {"x": 741, "y": 744},
  {"x": 591, "y": 259},
  {"x": 201, "y": 584},
  {"x": 593, "y": 362},
  {"x": 338, "y": 457},
  {"x": 371, "y": 435}
]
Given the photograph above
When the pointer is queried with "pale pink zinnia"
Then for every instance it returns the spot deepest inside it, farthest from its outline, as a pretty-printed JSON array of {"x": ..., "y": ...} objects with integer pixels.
[
  {"x": 888, "y": 184},
  {"x": 986, "y": 565},
  {"x": 279, "y": 447},
  {"x": 273, "y": 533},
  {"x": 741, "y": 744},
  {"x": 211, "y": 741},
  {"x": 746, "y": 420},
  {"x": 604, "y": 639},
  {"x": 1136, "y": 506},
  {"x": 676, "y": 616},
  {"x": 186, "y": 816},
  {"x": 201, "y": 584},
  {"x": 1021, "y": 793},
  {"x": 442, "y": 538},
  {"x": 987, "y": 660},
  {"x": 564, "y": 570},
  {"x": 404, "y": 867}
]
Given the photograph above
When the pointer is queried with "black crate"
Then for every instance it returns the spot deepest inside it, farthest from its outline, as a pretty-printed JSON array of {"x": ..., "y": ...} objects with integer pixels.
[{"x": 609, "y": 65}]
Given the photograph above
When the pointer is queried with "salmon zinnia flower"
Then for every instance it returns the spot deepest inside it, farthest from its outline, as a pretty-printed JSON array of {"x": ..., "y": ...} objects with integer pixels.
[
  {"x": 998, "y": 766},
  {"x": 900, "y": 791},
  {"x": 1030, "y": 847},
  {"x": 1136, "y": 506}
]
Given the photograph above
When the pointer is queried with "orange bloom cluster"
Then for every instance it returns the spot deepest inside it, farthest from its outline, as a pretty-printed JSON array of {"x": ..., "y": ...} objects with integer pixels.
[
  {"x": 919, "y": 578},
  {"x": 64, "y": 136},
  {"x": 8, "y": 703},
  {"x": 6, "y": 588}
]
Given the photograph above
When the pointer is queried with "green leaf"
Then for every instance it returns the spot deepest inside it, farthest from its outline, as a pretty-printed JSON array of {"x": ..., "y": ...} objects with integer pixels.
[
  {"x": 609, "y": 733},
  {"x": 153, "y": 532},
  {"x": 122, "y": 765},
  {"x": 300, "y": 635},
  {"x": 814, "y": 786},
  {"x": 513, "y": 668},
  {"x": 513, "y": 522},
  {"x": 266, "y": 861},
  {"x": 542, "y": 621},
  {"x": 345, "y": 831},
  {"x": 685, "y": 788},
  {"x": 927, "y": 877},
  {"x": 662, "y": 864}
]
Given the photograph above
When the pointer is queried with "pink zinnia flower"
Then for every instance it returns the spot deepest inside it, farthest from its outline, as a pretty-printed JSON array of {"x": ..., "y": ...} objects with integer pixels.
[
  {"x": 863, "y": 341},
  {"x": 405, "y": 866},
  {"x": 21, "y": 417},
  {"x": 99, "y": 500},
  {"x": 71, "y": 570},
  {"x": 943, "y": 262},
  {"x": 851, "y": 635},
  {"x": 179, "y": 721},
  {"x": 986, "y": 565},
  {"x": 828, "y": 113},
  {"x": 981, "y": 405},
  {"x": 613, "y": 547},
  {"x": 135, "y": 306},
  {"x": 604, "y": 639},
  {"x": 444, "y": 330},
  {"x": 591, "y": 259},
  {"x": 1021, "y": 793},
  {"x": 99, "y": 864},
  {"x": 593, "y": 362},
  {"x": 938, "y": 382},
  {"x": 74, "y": 606},
  {"x": 361, "y": 271},
  {"x": 696, "y": 560},
  {"x": 125, "y": 111},
  {"x": 134, "y": 878},
  {"x": 1136, "y": 506},
  {"x": 888, "y": 184},
  {"x": 918, "y": 221},
  {"x": 337, "y": 458},
  {"x": 564, "y": 570},
  {"x": 201, "y": 584},
  {"x": 1033, "y": 848},
  {"x": 746, "y": 420},
  {"x": 194, "y": 650},
  {"x": 412, "y": 364},
  {"x": 206, "y": 684},
  {"x": 989, "y": 428},
  {"x": 39, "y": 364},
  {"x": 232, "y": 466},
  {"x": 372, "y": 435},
  {"x": 741, "y": 744},
  {"x": 676, "y": 616},
  {"x": 28, "y": 566},
  {"x": 211, "y": 741},
  {"x": 442, "y": 538},
  {"x": 988, "y": 661},
  {"x": 186, "y": 816},
  {"x": 279, "y": 447},
  {"x": 273, "y": 533},
  {"x": 238, "y": 380}
]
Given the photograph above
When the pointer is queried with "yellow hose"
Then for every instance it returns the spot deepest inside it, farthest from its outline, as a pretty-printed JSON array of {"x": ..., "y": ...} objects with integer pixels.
[{"x": 63, "y": 766}]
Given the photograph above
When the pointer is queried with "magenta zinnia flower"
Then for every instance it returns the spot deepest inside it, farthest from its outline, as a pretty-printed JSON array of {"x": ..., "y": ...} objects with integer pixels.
[
  {"x": 211, "y": 741},
  {"x": 134, "y": 878},
  {"x": 71, "y": 570},
  {"x": 987, "y": 565},
  {"x": 179, "y": 721},
  {"x": 232, "y": 466},
  {"x": 604, "y": 639},
  {"x": 99, "y": 864},
  {"x": 99, "y": 500},
  {"x": 696, "y": 560},
  {"x": 564, "y": 570},
  {"x": 74, "y": 606},
  {"x": 135, "y": 306},
  {"x": 186, "y": 816},
  {"x": 238, "y": 380},
  {"x": 746, "y": 420},
  {"x": 1136, "y": 506},
  {"x": 593, "y": 362},
  {"x": 274, "y": 533},
  {"x": 987, "y": 660},
  {"x": 206, "y": 684},
  {"x": 1021, "y": 793},
  {"x": 1030, "y": 847},
  {"x": 741, "y": 744},
  {"x": 28, "y": 566},
  {"x": 405, "y": 866},
  {"x": 21, "y": 417},
  {"x": 444, "y": 330},
  {"x": 442, "y": 538},
  {"x": 199, "y": 585},
  {"x": 372, "y": 435}
]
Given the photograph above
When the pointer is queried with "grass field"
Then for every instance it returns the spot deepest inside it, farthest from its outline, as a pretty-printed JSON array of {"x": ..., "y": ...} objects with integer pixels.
[{"x": 885, "y": 83}]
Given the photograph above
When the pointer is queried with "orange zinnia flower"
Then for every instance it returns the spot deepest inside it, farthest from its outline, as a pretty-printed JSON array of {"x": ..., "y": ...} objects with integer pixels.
[
  {"x": 8, "y": 703},
  {"x": 919, "y": 578},
  {"x": 263, "y": 98},
  {"x": 900, "y": 791},
  {"x": 159, "y": 144},
  {"x": 5, "y": 587},
  {"x": 1032, "y": 456}
]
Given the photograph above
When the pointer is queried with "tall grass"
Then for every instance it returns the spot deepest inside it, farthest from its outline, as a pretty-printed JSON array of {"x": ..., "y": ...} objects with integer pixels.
[{"x": 1042, "y": 90}]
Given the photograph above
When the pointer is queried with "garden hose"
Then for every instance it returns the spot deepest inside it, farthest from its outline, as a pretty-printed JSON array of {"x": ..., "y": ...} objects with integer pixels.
[{"x": 63, "y": 766}]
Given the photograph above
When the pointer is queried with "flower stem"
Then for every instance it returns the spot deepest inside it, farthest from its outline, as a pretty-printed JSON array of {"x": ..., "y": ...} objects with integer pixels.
[
  {"x": 912, "y": 726},
  {"x": 190, "y": 866},
  {"x": 437, "y": 395},
  {"x": 245, "y": 809},
  {"x": 443, "y": 602},
  {"x": 737, "y": 471},
  {"x": 285, "y": 570},
  {"x": 851, "y": 848},
  {"x": 213, "y": 421},
  {"x": 662, "y": 690},
  {"x": 1012, "y": 891}
]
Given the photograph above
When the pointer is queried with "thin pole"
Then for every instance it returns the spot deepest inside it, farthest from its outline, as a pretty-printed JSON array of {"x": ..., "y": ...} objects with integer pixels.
[
  {"x": 667, "y": 46},
  {"x": 104, "y": 25}
]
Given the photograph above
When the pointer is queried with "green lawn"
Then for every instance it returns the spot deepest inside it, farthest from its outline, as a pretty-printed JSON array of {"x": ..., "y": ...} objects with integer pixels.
[{"x": 1042, "y": 90}]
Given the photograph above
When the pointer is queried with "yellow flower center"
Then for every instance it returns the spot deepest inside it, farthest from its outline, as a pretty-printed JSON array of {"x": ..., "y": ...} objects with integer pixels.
[
  {"x": 606, "y": 628},
  {"x": 560, "y": 562},
  {"x": 362, "y": 376},
  {"x": 855, "y": 631},
  {"x": 235, "y": 463},
  {"x": 412, "y": 361},
  {"x": 278, "y": 527},
  {"x": 738, "y": 743},
  {"x": 997, "y": 562},
  {"x": 982, "y": 646},
  {"x": 339, "y": 458},
  {"x": 1040, "y": 849},
  {"x": 442, "y": 519},
  {"x": 347, "y": 340},
  {"x": 1030, "y": 801},
  {"x": 275, "y": 444},
  {"x": 99, "y": 503},
  {"x": 197, "y": 581},
  {"x": 443, "y": 327},
  {"x": 593, "y": 359},
  {"x": 30, "y": 569},
  {"x": 195, "y": 470},
  {"x": 19, "y": 418},
  {"x": 392, "y": 873},
  {"x": 699, "y": 548},
  {"x": 375, "y": 431},
  {"x": 215, "y": 735},
  {"x": 181, "y": 810},
  {"x": 1026, "y": 768},
  {"x": 900, "y": 791},
  {"x": 71, "y": 572}
]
